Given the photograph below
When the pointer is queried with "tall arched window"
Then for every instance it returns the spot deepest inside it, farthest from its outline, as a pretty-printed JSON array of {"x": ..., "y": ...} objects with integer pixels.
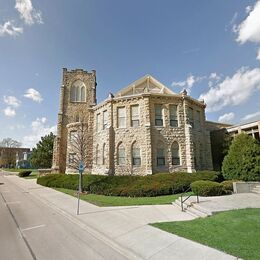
[
  {"x": 78, "y": 92},
  {"x": 136, "y": 155},
  {"x": 73, "y": 93},
  {"x": 83, "y": 94},
  {"x": 121, "y": 154},
  {"x": 104, "y": 154},
  {"x": 175, "y": 154},
  {"x": 98, "y": 155},
  {"x": 160, "y": 154}
]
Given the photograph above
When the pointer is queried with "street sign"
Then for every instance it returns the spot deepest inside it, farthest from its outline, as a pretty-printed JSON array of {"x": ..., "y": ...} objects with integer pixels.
[{"x": 81, "y": 167}]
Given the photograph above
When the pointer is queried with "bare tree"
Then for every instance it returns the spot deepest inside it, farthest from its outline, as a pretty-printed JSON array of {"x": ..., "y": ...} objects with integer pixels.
[
  {"x": 9, "y": 142},
  {"x": 78, "y": 143},
  {"x": 78, "y": 146}
]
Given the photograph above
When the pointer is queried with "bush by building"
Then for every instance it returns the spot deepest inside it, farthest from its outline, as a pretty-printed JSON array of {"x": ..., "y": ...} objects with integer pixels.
[
  {"x": 131, "y": 186},
  {"x": 243, "y": 159},
  {"x": 24, "y": 173},
  {"x": 207, "y": 188}
]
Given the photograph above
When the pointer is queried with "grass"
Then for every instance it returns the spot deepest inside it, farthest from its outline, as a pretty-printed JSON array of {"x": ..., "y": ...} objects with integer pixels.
[
  {"x": 33, "y": 175},
  {"x": 235, "y": 232},
  {"x": 105, "y": 201},
  {"x": 17, "y": 170}
]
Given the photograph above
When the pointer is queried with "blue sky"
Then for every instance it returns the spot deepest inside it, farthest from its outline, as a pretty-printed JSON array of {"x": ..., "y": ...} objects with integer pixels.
[{"x": 210, "y": 48}]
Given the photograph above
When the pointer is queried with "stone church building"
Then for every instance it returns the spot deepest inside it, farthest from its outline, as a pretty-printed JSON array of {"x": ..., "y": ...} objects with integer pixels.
[{"x": 143, "y": 129}]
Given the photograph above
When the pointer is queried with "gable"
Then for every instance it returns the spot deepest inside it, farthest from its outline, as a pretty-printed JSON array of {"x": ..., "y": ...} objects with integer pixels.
[{"x": 147, "y": 84}]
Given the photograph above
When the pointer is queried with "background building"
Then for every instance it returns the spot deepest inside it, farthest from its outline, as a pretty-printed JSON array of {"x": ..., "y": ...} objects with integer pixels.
[{"x": 11, "y": 157}]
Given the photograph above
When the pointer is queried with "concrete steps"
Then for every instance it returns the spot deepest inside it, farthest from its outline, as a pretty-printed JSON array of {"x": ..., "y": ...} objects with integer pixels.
[
  {"x": 192, "y": 208},
  {"x": 256, "y": 189}
]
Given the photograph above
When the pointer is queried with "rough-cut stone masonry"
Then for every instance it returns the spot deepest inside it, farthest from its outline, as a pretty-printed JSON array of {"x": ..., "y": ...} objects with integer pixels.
[{"x": 106, "y": 138}]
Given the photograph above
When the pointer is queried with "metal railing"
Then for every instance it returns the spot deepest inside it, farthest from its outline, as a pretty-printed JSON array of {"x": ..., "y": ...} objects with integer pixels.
[{"x": 182, "y": 201}]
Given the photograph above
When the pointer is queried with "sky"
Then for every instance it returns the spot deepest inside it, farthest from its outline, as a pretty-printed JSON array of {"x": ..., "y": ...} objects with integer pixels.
[{"x": 210, "y": 48}]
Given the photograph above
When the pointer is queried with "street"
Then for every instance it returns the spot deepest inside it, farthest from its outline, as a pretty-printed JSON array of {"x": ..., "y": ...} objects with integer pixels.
[{"x": 31, "y": 230}]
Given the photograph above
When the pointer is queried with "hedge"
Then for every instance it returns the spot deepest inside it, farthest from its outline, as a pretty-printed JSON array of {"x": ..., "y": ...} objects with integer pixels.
[
  {"x": 207, "y": 188},
  {"x": 24, "y": 173},
  {"x": 130, "y": 186}
]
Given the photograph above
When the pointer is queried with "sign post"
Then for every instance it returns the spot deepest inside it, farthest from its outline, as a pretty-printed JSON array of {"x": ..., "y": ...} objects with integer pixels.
[{"x": 81, "y": 169}]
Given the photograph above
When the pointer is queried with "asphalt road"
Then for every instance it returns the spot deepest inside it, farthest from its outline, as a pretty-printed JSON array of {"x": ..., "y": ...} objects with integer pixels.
[{"x": 30, "y": 229}]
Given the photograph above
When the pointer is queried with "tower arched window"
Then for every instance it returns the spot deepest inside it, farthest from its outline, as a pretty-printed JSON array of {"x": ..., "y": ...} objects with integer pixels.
[
  {"x": 78, "y": 92},
  {"x": 175, "y": 154}
]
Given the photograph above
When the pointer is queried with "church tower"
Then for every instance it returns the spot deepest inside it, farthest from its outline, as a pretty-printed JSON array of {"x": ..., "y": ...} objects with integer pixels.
[{"x": 77, "y": 98}]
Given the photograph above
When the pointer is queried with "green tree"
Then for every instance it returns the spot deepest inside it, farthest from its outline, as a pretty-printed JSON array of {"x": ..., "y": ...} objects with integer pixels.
[
  {"x": 243, "y": 159},
  {"x": 42, "y": 155}
]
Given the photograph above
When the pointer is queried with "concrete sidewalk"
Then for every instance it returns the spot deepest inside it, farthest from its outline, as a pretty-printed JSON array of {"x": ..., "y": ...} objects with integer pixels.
[{"x": 125, "y": 227}]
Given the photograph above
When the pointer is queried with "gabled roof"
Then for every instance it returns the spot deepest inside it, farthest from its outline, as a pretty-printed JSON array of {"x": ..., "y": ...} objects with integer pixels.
[{"x": 146, "y": 84}]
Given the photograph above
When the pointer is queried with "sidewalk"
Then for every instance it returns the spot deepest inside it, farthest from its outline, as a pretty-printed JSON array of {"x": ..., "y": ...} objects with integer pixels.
[{"x": 125, "y": 227}]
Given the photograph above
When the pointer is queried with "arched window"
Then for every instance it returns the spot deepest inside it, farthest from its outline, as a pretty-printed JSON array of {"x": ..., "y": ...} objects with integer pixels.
[
  {"x": 175, "y": 154},
  {"x": 160, "y": 154},
  {"x": 104, "y": 154},
  {"x": 73, "y": 93},
  {"x": 83, "y": 94},
  {"x": 78, "y": 92},
  {"x": 136, "y": 155},
  {"x": 98, "y": 155},
  {"x": 121, "y": 154}
]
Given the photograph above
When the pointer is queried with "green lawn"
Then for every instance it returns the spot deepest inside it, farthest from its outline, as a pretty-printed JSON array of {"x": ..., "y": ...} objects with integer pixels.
[
  {"x": 17, "y": 170},
  {"x": 33, "y": 175},
  {"x": 103, "y": 201},
  {"x": 235, "y": 232}
]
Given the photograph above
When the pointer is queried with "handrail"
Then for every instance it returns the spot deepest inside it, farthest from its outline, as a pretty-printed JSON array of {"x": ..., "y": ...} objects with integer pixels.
[{"x": 182, "y": 201}]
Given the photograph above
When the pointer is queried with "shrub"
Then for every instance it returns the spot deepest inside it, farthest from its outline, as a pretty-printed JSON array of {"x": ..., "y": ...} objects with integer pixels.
[
  {"x": 207, "y": 188},
  {"x": 133, "y": 186},
  {"x": 68, "y": 181},
  {"x": 243, "y": 159},
  {"x": 24, "y": 173},
  {"x": 228, "y": 186}
]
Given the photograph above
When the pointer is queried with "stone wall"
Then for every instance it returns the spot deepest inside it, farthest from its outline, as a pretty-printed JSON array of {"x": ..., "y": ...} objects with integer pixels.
[
  {"x": 70, "y": 112},
  {"x": 102, "y": 142}
]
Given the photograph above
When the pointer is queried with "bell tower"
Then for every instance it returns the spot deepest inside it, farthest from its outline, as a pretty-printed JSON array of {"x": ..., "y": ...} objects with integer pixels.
[{"x": 77, "y": 98}]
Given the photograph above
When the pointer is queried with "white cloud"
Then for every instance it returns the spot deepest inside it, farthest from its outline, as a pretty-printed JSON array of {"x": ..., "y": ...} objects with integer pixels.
[
  {"x": 188, "y": 83},
  {"x": 249, "y": 29},
  {"x": 33, "y": 94},
  {"x": 251, "y": 116},
  {"x": 10, "y": 112},
  {"x": 233, "y": 90},
  {"x": 226, "y": 118},
  {"x": 213, "y": 78},
  {"x": 17, "y": 127},
  {"x": 249, "y": 9},
  {"x": 12, "y": 101},
  {"x": 258, "y": 54},
  {"x": 27, "y": 12},
  {"x": 8, "y": 28},
  {"x": 39, "y": 128}
]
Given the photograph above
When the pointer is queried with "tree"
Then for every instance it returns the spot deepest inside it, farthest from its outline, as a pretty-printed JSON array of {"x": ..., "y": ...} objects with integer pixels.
[
  {"x": 243, "y": 159},
  {"x": 42, "y": 155},
  {"x": 79, "y": 146},
  {"x": 9, "y": 142}
]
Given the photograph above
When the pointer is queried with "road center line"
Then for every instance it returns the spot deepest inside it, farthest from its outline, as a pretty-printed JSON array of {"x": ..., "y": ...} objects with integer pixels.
[{"x": 30, "y": 228}]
